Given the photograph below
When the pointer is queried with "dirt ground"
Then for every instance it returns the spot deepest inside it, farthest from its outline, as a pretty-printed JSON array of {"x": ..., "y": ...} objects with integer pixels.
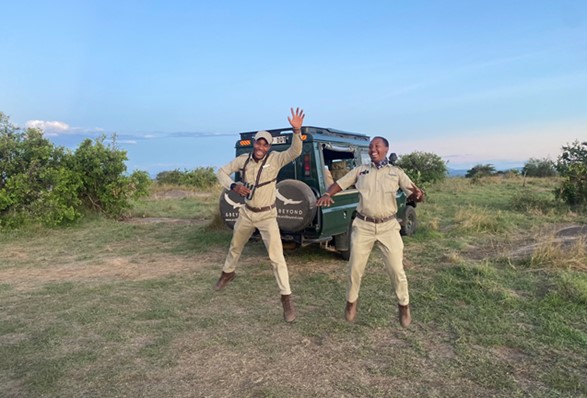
[{"x": 113, "y": 268}]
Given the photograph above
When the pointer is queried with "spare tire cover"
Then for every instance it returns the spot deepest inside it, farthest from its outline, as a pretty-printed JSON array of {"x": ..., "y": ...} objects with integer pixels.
[
  {"x": 296, "y": 205},
  {"x": 230, "y": 205}
]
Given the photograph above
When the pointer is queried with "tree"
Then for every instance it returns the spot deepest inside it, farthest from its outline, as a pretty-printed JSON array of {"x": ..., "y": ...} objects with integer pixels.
[
  {"x": 572, "y": 167},
  {"x": 539, "y": 168},
  {"x": 481, "y": 170},
  {"x": 200, "y": 177},
  {"x": 423, "y": 167}
]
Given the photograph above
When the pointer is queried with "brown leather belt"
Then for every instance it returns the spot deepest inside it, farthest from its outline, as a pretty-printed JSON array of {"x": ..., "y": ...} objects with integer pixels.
[
  {"x": 375, "y": 220},
  {"x": 260, "y": 209}
]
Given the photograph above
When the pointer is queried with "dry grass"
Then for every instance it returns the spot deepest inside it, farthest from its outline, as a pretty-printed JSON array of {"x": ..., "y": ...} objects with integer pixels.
[
  {"x": 566, "y": 254},
  {"x": 477, "y": 219}
]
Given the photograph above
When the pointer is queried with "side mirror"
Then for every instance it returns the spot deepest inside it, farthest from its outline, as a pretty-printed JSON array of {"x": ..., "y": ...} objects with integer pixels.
[{"x": 392, "y": 158}]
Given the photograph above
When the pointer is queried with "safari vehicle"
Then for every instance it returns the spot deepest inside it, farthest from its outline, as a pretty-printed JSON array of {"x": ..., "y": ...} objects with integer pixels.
[{"x": 327, "y": 155}]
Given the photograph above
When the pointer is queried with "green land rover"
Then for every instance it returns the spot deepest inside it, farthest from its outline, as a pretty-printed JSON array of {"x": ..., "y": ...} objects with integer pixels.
[{"x": 327, "y": 154}]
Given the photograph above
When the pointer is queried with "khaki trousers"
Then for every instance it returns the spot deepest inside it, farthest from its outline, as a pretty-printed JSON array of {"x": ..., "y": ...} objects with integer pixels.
[
  {"x": 266, "y": 223},
  {"x": 363, "y": 236}
]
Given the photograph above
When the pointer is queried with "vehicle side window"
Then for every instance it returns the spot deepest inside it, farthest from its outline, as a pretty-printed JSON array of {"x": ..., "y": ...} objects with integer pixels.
[
  {"x": 338, "y": 163},
  {"x": 339, "y": 169}
]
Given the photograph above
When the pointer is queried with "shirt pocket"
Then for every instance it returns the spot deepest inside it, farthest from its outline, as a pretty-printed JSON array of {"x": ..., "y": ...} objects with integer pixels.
[
  {"x": 362, "y": 183},
  {"x": 391, "y": 183}
]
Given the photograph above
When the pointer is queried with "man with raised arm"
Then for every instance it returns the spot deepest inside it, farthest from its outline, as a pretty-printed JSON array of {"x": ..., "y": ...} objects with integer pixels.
[{"x": 258, "y": 172}]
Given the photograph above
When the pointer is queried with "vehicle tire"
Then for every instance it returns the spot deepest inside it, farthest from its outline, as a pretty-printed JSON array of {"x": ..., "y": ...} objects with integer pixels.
[
  {"x": 342, "y": 243},
  {"x": 296, "y": 205},
  {"x": 289, "y": 245},
  {"x": 345, "y": 254},
  {"x": 409, "y": 222},
  {"x": 230, "y": 204}
]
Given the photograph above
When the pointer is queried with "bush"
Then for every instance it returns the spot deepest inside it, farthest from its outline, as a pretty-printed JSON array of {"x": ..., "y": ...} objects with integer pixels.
[
  {"x": 572, "y": 167},
  {"x": 480, "y": 170},
  {"x": 201, "y": 177},
  {"x": 46, "y": 184},
  {"x": 511, "y": 173},
  {"x": 423, "y": 167},
  {"x": 35, "y": 180},
  {"x": 529, "y": 201},
  {"x": 105, "y": 188},
  {"x": 539, "y": 168}
]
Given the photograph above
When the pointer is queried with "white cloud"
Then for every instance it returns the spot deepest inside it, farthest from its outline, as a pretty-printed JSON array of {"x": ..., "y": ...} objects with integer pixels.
[{"x": 49, "y": 128}]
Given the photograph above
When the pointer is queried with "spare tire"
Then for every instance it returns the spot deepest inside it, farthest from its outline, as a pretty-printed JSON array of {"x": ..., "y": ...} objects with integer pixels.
[
  {"x": 230, "y": 205},
  {"x": 296, "y": 205}
]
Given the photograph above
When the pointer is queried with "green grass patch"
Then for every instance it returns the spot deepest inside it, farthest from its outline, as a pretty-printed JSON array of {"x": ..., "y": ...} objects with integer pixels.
[{"x": 113, "y": 308}]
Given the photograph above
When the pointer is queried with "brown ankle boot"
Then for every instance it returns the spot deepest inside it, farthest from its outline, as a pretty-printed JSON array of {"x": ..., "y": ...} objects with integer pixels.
[
  {"x": 350, "y": 312},
  {"x": 404, "y": 315},
  {"x": 289, "y": 312},
  {"x": 225, "y": 277}
]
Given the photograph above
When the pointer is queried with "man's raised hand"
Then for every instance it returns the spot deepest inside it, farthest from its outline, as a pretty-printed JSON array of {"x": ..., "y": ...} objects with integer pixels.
[{"x": 297, "y": 118}]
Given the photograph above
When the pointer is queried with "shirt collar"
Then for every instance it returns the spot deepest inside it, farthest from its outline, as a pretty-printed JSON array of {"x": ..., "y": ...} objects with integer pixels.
[
  {"x": 252, "y": 157},
  {"x": 381, "y": 164}
]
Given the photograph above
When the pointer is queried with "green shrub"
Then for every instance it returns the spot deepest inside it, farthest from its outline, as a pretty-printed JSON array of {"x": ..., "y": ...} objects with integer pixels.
[
  {"x": 423, "y": 167},
  {"x": 510, "y": 173},
  {"x": 480, "y": 170},
  {"x": 35, "y": 180},
  {"x": 539, "y": 168},
  {"x": 105, "y": 188},
  {"x": 41, "y": 183},
  {"x": 201, "y": 177},
  {"x": 572, "y": 167},
  {"x": 527, "y": 201}
]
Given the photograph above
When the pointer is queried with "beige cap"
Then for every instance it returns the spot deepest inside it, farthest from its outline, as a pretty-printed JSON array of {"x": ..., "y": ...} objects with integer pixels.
[{"x": 266, "y": 135}]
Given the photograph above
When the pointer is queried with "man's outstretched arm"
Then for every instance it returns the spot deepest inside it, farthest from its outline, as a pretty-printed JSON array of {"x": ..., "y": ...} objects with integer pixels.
[
  {"x": 295, "y": 149},
  {"x": 326, "y": 198}
]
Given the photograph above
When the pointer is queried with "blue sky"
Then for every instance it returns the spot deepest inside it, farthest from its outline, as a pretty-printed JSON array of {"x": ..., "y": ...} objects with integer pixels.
[{"x": 474, "y": 82}]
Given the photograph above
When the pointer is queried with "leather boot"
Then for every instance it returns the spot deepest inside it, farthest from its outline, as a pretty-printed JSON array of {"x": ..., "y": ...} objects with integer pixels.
[
  {"x": 404, "y": 315},
  {"x": 350, "y": 312},
  {"x": 289, "y": 312},
  {"x": 225, "y": 277}
]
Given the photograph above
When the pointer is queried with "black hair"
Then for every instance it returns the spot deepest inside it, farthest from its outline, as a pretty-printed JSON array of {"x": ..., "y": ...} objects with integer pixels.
[{"x": 383, "y": 139}]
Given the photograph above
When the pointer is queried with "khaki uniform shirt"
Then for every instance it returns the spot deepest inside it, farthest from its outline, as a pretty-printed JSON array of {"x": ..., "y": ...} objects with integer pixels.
[
  {"x": 377, "y": 188},
  {"x": 265, "y": 195}
]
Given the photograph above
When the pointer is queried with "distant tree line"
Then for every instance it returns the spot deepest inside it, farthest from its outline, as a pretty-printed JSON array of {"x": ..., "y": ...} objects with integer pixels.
[
  {"x": 571, "y": 167},
  {"x": 532, "y": 168},
  {"x": 201, "y": 177},
  {"x": 43, "y": 183}
]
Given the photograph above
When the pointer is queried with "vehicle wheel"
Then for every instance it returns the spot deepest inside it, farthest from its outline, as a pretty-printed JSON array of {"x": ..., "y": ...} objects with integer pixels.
[
  {"x": 409, "y": 222},
  {"x": 289, "y": 245},
  {"x": 296, "y": 205},
  {"x": 342, "y": 243},
  {"x": 345, "y": 254}
]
